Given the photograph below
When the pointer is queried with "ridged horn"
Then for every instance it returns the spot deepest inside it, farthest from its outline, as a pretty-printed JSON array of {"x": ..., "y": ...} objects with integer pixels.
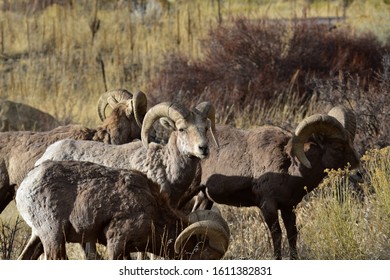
[
  {"x": 212, "y": 231},
  {"x": 140, "y": 104},
  {"x": 346, "y": 117},
  {"x": 204, "y": 215},
  {"x": 208, "y": 111},
  {"x": 112, "y": 97},
  {"x": 320, "y": 124},
  {"x": 166, "y": 109}
]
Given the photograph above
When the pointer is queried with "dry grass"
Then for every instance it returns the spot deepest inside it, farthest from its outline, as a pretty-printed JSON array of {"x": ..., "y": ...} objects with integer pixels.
[
  {"x": 336, "y": 223},
  {"x": 53, "y": 60}
]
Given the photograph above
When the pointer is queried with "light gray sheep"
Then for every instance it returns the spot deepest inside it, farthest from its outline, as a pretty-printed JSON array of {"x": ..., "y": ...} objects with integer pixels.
[
  {"x": 19, "y": 150},
  {"x": 274, "y": 169},
  {"x": 73, "y": 201}
]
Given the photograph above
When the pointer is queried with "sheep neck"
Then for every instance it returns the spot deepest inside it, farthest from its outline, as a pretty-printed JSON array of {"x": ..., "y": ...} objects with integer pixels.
[{"x": 171, "y": 169}]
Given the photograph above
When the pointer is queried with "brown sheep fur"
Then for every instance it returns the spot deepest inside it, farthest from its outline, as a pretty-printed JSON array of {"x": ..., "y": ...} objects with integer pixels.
[{"x": 256, "y": 168}]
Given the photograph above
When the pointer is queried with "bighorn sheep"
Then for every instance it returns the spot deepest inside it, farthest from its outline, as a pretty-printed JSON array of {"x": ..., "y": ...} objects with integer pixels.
[
  {"x": 19, "y": 150},
  {"x": 172, "y": 166},
  {"x": 18, "y": 116},
  {"x": 73, "y": 201},
  {"x": 274, "y": 169}
]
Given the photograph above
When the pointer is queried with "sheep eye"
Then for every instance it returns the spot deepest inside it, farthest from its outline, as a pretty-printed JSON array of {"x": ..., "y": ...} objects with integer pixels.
[{"x": 181, "y": 129}]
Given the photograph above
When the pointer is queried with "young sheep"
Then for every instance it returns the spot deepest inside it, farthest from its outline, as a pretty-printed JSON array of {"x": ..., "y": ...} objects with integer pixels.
[
  {"x": 74, "y": 201},
  {"x": 274, "y": 169},
  {"x": 19, "y": 150}
]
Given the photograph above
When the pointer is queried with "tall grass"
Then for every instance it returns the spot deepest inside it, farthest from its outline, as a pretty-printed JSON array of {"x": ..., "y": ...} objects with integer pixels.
[
  {"x": 13, "y": 238},
  {"x": 351, "y": 227},
  {"x": 54, "y": 60}
]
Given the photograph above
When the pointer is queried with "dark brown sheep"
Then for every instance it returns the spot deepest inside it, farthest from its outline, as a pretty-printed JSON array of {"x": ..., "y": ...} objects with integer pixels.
[
  {"x": 19, "y": 150},
  {"x": 274, "y": 169},
  {"x": 73, "y": 201}
]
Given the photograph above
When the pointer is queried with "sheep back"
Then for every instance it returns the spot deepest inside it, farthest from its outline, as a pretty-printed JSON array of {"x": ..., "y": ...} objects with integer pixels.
[
  {"x": 20, "y": 149},
  {"x": 84, "y": 199},
  {"x": 162, "y": 164},
  {"x": 249, "y": 153},
  {"x": 15, "y": 116}
]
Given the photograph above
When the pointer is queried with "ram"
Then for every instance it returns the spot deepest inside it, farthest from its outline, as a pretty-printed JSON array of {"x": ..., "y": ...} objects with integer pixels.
[
  {"x": 173, "y": 165},
  {"x": 274, "y": 169},
  {"x": 19, "y": 150},
  {"x": 73, "y": 201}
]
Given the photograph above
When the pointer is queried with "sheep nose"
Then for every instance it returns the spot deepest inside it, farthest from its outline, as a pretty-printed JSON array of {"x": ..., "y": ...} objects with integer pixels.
[{"x": 204, "y": 149}]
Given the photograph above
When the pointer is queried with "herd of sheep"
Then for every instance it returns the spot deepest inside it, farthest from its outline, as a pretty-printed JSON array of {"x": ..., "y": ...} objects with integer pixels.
[{"x": 120, "y": 186}]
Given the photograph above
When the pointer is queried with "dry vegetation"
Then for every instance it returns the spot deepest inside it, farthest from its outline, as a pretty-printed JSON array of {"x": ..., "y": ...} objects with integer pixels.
[{"x": 256, "y": 68}]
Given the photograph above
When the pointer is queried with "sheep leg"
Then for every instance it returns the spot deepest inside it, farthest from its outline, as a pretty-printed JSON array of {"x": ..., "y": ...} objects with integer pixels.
[
  {"x": 270, "y": 214},
  {"x": 116, "y": 241},
  {"x": 116, "y": 248},
  {"x": 55, "y": 250},
  {"x": 53, "y": 236},
  {"x": 33, "y": 249},
  {"x": 91, "y": 251},
  {"x": 289, "y": 220}
]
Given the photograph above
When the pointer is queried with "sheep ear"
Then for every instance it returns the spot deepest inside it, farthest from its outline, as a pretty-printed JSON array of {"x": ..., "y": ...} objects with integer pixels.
[
  {"x": 167, "y": 123},
  {"x": 129, "y": 108}
]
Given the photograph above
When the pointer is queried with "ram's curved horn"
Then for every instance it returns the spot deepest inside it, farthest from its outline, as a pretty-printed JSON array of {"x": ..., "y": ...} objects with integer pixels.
[
  {"x": 218, "y": 238},
  {"x": 140, "y": 104},
  {"x": 320, "y": 124},
  {"x": 166, "y": 109},
  {"x": 208, "y": 110},
  {"x": 112, "y": 98},
  {"x": 346, "y": 117},
  {"x": 205, "y": 215}
]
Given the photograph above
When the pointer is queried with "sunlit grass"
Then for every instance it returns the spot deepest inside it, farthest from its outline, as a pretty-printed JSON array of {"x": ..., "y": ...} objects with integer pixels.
[
  {"x": 50, "y": 61},
  {"x": 336, "y": 223}
]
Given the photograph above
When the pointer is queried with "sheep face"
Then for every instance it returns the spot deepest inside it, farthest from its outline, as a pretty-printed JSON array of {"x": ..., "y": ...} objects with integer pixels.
[
  {"x": 328, "y": 153},
  {"x": 189, "y": 128},
  {"x": 192, "y": 136},
  {"x": 120, "y": 126},
  {"x": 125, "y": 121}
]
